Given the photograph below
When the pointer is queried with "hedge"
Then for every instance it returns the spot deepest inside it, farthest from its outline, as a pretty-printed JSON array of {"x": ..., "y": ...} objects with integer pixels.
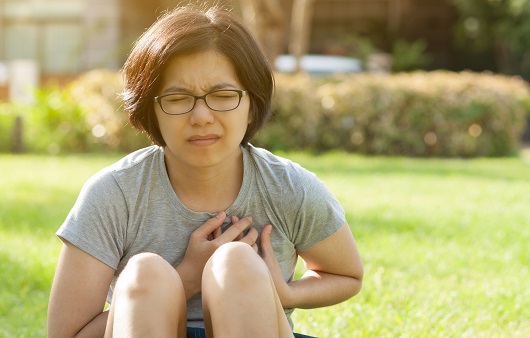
[
  {"x": 440, "y": 113},
  {"x": 85, "y": 116}
]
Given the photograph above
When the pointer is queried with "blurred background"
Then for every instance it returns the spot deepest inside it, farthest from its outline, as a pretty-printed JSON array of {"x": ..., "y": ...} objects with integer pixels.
[
  {"x": 47, "y": 43},
  {"x": 436, "y": 89},
  {"x": 66, "y": 37}
]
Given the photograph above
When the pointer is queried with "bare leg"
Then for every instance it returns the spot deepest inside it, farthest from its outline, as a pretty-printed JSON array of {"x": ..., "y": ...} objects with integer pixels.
[
  {"x": 239, "y": 297},
  {"x": 148, "y": 301}
]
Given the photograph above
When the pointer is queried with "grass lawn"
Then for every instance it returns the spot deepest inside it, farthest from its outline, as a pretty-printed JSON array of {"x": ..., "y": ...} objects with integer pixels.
[{"x": 445, "y": 243}]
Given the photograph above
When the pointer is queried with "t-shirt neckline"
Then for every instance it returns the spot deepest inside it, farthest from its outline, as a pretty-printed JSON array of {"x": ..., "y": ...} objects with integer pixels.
[{"x": 202, "y": 215}]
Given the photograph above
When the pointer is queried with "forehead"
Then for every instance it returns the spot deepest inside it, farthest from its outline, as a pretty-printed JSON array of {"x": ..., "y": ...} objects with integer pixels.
[{"x": 199, "y": 72}]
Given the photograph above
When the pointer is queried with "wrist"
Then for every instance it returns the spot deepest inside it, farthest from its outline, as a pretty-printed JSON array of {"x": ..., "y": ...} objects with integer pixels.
[
  {"x": 286, "y": 296},
  {"x": 192, "y": 285}
]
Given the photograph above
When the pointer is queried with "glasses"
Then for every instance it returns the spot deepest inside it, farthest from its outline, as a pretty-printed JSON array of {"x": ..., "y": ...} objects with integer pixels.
[{"x": 219, "y": 100}]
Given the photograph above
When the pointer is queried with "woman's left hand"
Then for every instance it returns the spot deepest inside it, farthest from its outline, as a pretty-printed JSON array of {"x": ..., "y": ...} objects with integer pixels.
[{"x": 267, "y": 253}]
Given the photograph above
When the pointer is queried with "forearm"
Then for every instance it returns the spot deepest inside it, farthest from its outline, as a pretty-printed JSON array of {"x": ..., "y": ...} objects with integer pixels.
[
  {"x": 95, "y": 328},
  {"x": 319, "y": 289}
]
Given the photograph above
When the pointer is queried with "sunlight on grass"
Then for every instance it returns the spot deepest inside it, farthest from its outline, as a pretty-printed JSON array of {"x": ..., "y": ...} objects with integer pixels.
[
  {"x": 36, "y": 194},
  {"x": 444, "y": 243}
]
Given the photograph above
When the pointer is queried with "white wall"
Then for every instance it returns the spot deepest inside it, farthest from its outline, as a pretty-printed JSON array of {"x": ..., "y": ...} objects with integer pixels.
[
  {"x": 63, "y": 36},
  {"x": 102, "y": 29}
]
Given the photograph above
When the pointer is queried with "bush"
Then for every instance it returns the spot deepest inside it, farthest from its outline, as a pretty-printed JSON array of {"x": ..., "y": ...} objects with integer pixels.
[
  {"x": 54, "y": 124},
  {"x": 85, "y": 116},
  {"x": 437, "y": 113},
  {"x": 293, "y": 99},
  {"x": 97, "y": 92},
  {"x": 415, "y": 114},
  {"x": 7, "y": 122}
]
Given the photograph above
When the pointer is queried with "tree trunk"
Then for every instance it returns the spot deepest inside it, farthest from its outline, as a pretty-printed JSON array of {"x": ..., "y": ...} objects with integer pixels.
[
  {"x": 267, "y": 21},
  {"x": 301, "y": 18},
  {"x": 18, "y": 143},
  {"x": 504, "y": 57}
]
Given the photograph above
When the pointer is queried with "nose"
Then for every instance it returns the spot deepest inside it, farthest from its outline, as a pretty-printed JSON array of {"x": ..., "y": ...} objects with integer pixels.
[{"x": 201, "y": 115}]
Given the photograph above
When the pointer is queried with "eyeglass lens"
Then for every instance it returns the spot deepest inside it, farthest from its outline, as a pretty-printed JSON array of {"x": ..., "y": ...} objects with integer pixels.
[{"x": 223, "y": 100}]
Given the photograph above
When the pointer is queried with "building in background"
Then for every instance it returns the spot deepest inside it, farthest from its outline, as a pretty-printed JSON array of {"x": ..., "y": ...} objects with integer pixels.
[
  {"x": 71, "y": 36},
  {"x": 66, "y": 37}
]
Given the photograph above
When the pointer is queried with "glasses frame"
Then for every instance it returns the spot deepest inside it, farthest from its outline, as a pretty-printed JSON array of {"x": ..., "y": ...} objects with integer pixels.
[{"x": 240, "y": 92}]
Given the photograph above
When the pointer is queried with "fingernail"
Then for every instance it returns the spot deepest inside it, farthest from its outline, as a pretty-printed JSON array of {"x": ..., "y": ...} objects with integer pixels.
[{"x": 220, "y": 215}]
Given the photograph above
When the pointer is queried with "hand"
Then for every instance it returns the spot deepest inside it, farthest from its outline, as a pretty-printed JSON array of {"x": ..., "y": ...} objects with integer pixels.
[
  {"x": 242, "y": 236},
  {"x": 203, "y": 243},
  {"x": 282, "y": 288}
]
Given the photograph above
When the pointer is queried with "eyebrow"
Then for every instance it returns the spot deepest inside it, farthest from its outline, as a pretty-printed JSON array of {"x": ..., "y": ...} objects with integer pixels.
[{"x": 217, "y": 86}]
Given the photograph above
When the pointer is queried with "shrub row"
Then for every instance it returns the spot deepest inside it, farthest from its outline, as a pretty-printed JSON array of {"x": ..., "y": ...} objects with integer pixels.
[
  {"x": 437, "y": 113},
  {"x": 83, "y": 117}
]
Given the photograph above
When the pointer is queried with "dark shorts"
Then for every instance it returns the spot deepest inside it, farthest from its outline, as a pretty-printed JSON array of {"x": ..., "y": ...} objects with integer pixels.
[{"x": 195, "y": 332}]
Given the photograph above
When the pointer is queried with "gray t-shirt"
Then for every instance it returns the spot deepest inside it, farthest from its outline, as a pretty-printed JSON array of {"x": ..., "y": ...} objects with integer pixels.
[{"x": 130, "y": 208}]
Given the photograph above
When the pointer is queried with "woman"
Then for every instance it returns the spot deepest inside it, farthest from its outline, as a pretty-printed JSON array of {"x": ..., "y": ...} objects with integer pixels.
[{"x": 200, "y": 230}]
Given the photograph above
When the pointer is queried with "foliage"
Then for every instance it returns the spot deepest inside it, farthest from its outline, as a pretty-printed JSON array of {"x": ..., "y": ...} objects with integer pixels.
[
  {"x": 54, "y": 123},
  {"x": 416, "y": 114},
  {"x": 85, "y": 116},
  {"x": 405, "y": 55},
  {"x": 444, "y": 243},
  {"x": 7, "y": 121},
  {"x": 97, "y": 92},
  {"x": 409, "y": 56},
  {"x": 501, "y": 25}
]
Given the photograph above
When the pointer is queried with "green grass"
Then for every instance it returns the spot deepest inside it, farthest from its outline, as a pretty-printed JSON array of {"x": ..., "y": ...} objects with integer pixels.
[{"x": 445, "y": 243}]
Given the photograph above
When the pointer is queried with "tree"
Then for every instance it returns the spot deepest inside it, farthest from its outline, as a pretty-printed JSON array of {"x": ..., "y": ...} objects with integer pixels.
[
  {"x": 301, "y": 18},
  {"x": 501, "y": 25},
  {"x": 268, "y": 22}
]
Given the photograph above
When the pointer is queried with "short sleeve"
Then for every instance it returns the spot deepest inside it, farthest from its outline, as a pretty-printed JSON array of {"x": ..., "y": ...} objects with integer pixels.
[
  {"x": 315, "y": 213},
  {"x": 98, "y": 221}
]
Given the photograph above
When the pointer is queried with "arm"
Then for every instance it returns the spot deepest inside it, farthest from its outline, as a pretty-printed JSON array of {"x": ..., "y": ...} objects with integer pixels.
[
  {"x": 78, "y": 295},
  {"x": 334, "y": 271}
]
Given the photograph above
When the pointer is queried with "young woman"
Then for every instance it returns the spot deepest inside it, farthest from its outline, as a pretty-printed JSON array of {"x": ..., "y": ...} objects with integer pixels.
[{"x": 199, "y": 233}]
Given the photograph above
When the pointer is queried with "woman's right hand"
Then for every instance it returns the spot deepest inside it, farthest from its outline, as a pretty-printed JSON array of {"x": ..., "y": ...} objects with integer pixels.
[{"x": 203, "y": 243}]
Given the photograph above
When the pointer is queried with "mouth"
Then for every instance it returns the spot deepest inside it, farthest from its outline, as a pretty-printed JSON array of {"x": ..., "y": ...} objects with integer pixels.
[{"x": 203, "y": 140}]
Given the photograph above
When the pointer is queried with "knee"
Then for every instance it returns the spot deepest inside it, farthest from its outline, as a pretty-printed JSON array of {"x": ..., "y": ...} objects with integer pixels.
[
  {"x": 145, "y": 273},
  {"x": 236, "y": 262}
]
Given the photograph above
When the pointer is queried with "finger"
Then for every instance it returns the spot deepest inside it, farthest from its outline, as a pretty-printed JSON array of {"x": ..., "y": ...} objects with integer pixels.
[
  {"x": 216, "y": 233},
  {"x": 251, "y": 237},
  {"x": 235, "y": 219},
  {"x": 267, "y": 252},
  {"x": 233, "y": 231},
  {"x": 210, "y": 225},
  {"x": 255, "y": 247}
]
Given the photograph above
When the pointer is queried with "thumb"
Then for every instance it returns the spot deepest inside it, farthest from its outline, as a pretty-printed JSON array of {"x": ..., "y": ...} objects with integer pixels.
[
  {"x": 268, "y": 256},
  {"x": 266, "y": 245}
]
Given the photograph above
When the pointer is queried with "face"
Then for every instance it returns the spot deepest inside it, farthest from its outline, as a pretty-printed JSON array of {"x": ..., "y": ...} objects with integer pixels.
[{"x": 202, "y": 137}]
